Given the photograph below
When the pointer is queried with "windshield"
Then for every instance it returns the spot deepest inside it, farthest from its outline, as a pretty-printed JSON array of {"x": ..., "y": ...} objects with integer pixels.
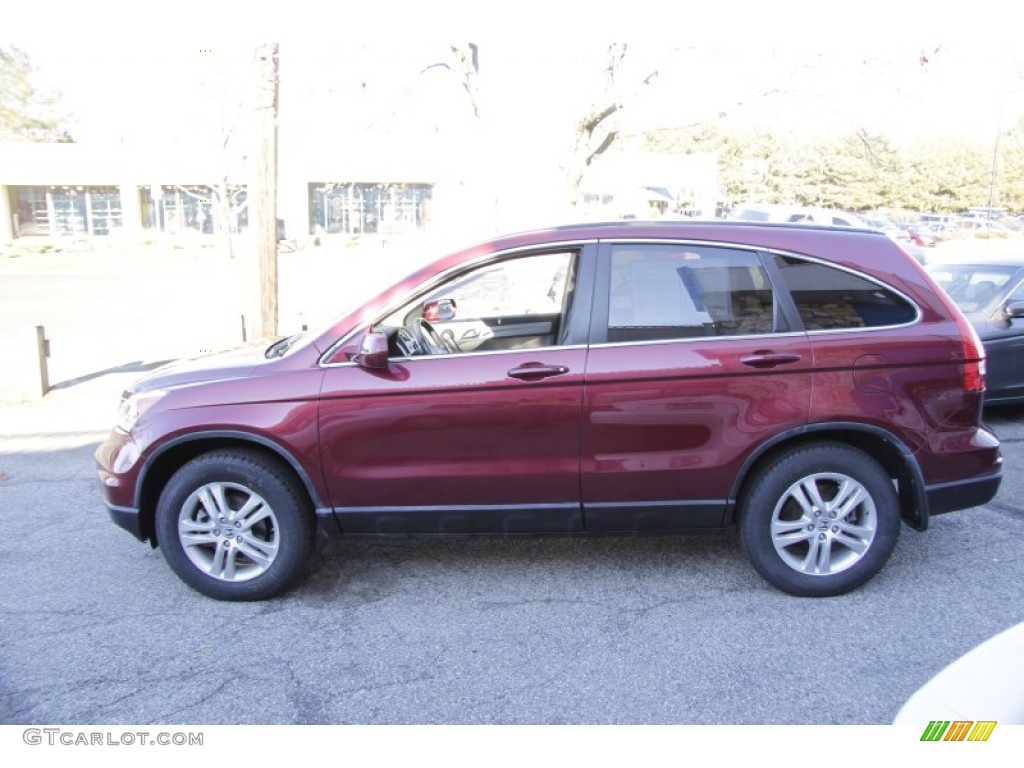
[{"x": 972, "y": 286}]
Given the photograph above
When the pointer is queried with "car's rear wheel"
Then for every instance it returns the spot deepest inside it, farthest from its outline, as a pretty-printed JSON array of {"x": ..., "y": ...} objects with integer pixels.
[
  {"x": 820, "y": 520},
  {"x": 234, "y": 525}
]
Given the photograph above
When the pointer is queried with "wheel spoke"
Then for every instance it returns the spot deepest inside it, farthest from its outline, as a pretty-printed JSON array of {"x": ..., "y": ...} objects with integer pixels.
[
  {"x": 864, "y": 532},
  {"x": 194, "y": 526},
  {"x": 810, "y": 487},
  {"x": 818, "y": 559},
  {"x": 796, "y": 493},
  {"x": 851, "y": 500},
  {"x": 196, "y": 533},
  {"x": 231, "y": 554},
  {"x": 858, "y": 545},
  {"x": 260, "y": 552},
  {"x": 784, "y": 527},
  {"x": 251, "y": 503},
  {"x": 786, "y": 533},
  {"x": 823, "y": 560},
  {"x": 807, "y": 565},
  {"x": 214, "y": 502},
  {"x": 254, "y": 511},
  {"x": 217, "y": 562},
  {"x": 220, "y": 499},
  {"x": 198, "y": 538},
  {"x": 794, "y": 537},
  {"x": 209, "y": 505}
]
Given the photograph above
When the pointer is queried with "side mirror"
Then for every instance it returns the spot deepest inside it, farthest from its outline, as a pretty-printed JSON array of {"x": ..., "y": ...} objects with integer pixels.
[
  {"x": 440, "y": 310},
  {"x": 373, "y": 351},
  {"x": 1014, "y": 310}
]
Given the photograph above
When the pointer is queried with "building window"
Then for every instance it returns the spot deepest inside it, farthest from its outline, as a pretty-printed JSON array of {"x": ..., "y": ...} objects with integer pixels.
[
  {"x": 31, "y": 211},
  {"x": 368, "y": 208},
  {"x": 176, "y": 209},
  {"x": 104, "y": 210},
  {"x": 67, "y": 211}
]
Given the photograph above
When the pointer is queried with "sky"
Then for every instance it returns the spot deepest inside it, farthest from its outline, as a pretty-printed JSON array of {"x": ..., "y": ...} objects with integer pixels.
[{"x": 825, "y": 67}]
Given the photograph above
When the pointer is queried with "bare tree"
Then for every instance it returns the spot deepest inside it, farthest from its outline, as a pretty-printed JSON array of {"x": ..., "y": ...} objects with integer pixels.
[
  {"x": 464, "y": 63},
  {"x": 598, "y": 129}
]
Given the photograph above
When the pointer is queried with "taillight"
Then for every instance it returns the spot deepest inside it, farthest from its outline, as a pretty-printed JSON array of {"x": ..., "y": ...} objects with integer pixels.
[
  {"x": 974, "y": 358},
  {"x": 974, "y": 352}
]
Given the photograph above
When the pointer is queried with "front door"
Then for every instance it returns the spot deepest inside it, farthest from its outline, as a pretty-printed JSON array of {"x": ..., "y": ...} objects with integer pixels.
[{"x": 479, "y": 437}]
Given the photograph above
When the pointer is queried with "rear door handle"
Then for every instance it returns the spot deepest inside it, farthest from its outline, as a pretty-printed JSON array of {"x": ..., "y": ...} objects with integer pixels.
[
  {"x": 768, "y": 359},
  {"x": 535, "y": 371}
]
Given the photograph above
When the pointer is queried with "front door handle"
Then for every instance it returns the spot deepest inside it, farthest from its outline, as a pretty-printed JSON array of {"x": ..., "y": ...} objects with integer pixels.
[
  {"x": 536, "y": 371},
  {"x": 765, "y": 358}
]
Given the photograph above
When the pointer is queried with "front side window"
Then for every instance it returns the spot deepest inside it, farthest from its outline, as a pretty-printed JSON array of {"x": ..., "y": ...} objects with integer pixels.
[
  {"x": 516, "y": 303},
  {"x": 678, "y": 292},
  {"x": 830, "y": 299}
]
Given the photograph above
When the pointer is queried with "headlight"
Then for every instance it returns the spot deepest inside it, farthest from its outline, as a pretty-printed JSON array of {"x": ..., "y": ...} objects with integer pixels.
[{"x": 133, "y": 406}]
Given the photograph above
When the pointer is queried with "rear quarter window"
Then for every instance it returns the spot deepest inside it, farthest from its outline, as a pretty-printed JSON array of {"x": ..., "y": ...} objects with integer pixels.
[{"x": 828, "y": 298}]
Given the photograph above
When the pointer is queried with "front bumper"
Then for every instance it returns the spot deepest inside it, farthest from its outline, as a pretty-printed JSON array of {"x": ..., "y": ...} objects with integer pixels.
[
  {"x": 127, "y": 518},
  {"x": 117, "y": 461}
]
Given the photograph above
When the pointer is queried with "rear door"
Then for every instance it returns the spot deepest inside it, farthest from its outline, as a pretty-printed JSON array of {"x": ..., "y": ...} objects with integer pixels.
[{"x": 692, "y": 365}]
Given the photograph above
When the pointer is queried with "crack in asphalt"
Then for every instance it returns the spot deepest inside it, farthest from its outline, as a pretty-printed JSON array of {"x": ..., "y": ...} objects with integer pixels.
[{"x": 166, "y": 716}]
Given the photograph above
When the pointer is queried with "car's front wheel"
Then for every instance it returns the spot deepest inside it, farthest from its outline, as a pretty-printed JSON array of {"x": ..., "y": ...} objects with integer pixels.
[
  {"x": 234, "y": 525},
  {"x": 820, "y": 520}
]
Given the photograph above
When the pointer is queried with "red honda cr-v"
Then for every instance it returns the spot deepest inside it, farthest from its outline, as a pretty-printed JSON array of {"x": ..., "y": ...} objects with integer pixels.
[{"x": 810, "y": 385}]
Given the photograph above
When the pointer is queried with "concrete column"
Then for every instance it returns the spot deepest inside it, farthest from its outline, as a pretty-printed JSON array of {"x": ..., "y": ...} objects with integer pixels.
[{"x": 6, "y": 214}]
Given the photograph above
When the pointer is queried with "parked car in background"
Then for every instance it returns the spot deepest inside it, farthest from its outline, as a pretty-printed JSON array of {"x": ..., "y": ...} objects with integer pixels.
[
  {"x": 809, "y": 385},
  {"x": 922, "y": 236},
  {"x": 991, "y": 294},
  {"x": 797, "y": 214}
]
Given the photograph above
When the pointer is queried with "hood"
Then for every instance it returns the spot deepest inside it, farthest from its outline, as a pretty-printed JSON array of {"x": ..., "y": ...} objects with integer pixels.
[{"x": 232, "y": 364}]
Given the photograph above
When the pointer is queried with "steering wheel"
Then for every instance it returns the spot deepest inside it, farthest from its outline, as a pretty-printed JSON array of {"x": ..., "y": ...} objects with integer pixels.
[{"x": 429, "y": 338}]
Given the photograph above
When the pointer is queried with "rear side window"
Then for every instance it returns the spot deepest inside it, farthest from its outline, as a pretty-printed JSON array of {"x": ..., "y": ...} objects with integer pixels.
[
  {"x": 828, "y": 298},
  {"x": 679, "y": 292}
]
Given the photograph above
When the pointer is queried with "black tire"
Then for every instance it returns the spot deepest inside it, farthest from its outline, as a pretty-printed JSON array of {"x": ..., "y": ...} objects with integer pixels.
[
  {"x": 228, "y": 556},
  {"x": 823, "y": 544}
]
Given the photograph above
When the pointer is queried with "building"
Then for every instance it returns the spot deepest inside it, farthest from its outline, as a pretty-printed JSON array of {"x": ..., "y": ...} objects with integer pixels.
[{"x": 75, "y": 190}]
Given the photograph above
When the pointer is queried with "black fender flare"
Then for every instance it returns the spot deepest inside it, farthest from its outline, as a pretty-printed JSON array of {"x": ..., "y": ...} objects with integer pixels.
[{"x": 237, "y": 435}]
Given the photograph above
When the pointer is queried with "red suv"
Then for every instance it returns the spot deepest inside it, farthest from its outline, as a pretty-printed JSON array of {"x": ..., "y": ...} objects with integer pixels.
[{"x": 809, "y": 385}]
